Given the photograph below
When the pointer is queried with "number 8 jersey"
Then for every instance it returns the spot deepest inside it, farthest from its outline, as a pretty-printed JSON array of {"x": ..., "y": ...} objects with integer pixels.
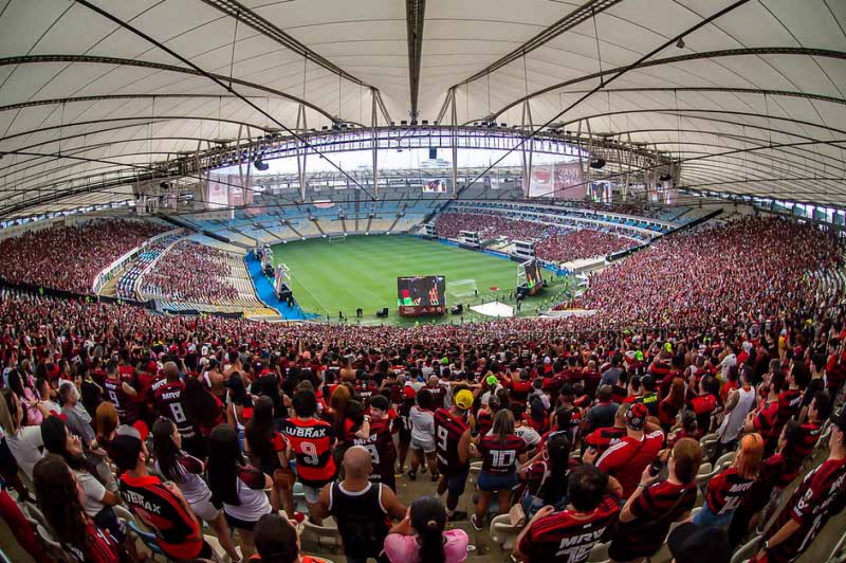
[
  {"x": 168, "y": 399},
  {"x": 311, "y": 441}
]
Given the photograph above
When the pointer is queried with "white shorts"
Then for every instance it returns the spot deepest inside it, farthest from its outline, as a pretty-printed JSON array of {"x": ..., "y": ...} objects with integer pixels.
[
  {"x": 311, "y": 494},
  {"x": 428, "y": 446},
  {"x": 205, "y": 510}
]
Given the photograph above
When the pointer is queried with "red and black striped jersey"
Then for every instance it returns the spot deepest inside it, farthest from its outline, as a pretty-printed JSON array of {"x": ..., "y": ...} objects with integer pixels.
[
  {"x": 661, "y": 503},
  {"x": 809, "y": 436},
  {"x": 311, "y": 441},
  {"x": 765, "y": 420},
  {"x": 448, "y": 433},
  {"x": 820, "y": 495},
  {"x": 769, "y": 475},
  {"x": 484, "y": 422},
  {"x": 126, "y": 406},
  {"x": 382, "y": 450},
  {"x": 102, "y": 547},
  {"x": 789, "y": 402},
  {"x": 177, "y": 530},
  {"x": 563, "y": 538},
  {"x": 726, "y": 490},
  {"x": 500, "y": 458},
  {"x": 168, "y": 399},
  {"x": 438, "y": 395}
]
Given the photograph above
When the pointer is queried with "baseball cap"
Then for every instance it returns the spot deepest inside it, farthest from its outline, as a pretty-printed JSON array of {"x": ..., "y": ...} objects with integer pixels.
[
  {"x": 464, "y": 399},
  {"x": 408, "y": 392},
  {"x": 639, "y": 356},
  {"x": 696, "y": 544},
  {"x": 492, "y": 380},
  {"x": 636, "y": 416}
]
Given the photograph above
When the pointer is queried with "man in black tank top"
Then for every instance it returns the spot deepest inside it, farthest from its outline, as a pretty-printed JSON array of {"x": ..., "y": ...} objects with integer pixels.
[{"x": 363, "y": 509}]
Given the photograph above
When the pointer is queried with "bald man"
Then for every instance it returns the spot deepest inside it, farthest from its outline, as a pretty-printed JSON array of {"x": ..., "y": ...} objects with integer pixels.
[{"x": 362, "y": 509}]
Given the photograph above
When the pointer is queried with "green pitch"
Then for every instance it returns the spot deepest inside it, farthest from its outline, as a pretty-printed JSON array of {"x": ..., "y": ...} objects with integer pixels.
[{"x": 363, "y": 270}]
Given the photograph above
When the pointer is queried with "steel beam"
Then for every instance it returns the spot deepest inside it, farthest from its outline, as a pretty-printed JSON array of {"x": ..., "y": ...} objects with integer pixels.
[{"x": 414, "y": 17}]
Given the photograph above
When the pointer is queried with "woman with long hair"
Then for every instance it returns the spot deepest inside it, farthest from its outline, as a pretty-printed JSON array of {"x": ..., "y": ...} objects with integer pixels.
[
  {"x": 420, "y": 537},
  {"x": 98, "y": 490},
  {"x": 671, "y": 406},
  {"x": 546, "y": 478},
  {"x": 266, "y": 448},
  {"x": 501, "y": 451},
  {"x": 337, "y": 411},
  {"x": 32, "y": 416},
  {"x": 724, "y": 491},
  {"x": 59, "y": 500},
  {"x": 239, "y": 487},
  {"x": 202, "y": 407},
  {"x": 185, "y": 471},
  {"x": 23, "y": 441}
]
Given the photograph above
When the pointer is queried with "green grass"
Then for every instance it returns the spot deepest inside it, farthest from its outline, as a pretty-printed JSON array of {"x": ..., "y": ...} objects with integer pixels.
[{"x": 363, "y": 271}]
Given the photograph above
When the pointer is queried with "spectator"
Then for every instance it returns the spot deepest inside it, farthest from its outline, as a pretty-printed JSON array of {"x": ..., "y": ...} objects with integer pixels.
[
  {"x": 690, "y": 543},
  {"x": 594, "y": 503},
  {"x": 186, "y": 472},
  {"x": 24, "y": 441},
  {"x": 277, "y": 542},
  {"x": 421, "y": 538},
  {"x": 361, "y": 508},
  {"x": 160, "y": 506},
  {"x": 726, "y": 490},
  {"x": 239, "y": 487},
  {"x": 423, "y": 435},
  {"x": 58, "y": 500},
  {"x": 546, "y": 477},
  {"x": 626, "y": 460},
  {"x": 501, "y": 450},
  {"x": 648, "y": 514}
]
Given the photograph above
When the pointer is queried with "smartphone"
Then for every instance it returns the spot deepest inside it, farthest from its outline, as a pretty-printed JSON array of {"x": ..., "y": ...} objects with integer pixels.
[{"x": 656, "y": 467}]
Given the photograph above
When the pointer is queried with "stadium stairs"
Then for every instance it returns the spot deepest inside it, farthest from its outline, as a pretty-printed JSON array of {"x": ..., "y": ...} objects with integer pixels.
[{"x": 267, "y": 294}]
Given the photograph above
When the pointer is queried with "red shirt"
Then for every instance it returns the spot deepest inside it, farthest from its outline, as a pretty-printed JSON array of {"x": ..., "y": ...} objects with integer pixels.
[
  {"x": 500, "y": 458},
  {"x": 603, "y": 438},
  {"x": 765, "y": 420},
  {"x": 656, "y": 501},
  {"x": 311, "y": 441},
  {"x": 626, "y": 460}
]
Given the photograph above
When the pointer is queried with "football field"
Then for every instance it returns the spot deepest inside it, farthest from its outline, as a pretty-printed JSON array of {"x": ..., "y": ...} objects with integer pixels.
[{"x": 362, "y": 271}]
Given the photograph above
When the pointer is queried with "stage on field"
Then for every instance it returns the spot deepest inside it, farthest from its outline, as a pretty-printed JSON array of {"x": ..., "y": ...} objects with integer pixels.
[{"x": 494, "y": 309}]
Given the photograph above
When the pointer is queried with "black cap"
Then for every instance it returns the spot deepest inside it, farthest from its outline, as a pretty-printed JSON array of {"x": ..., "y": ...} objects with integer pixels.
[{"x": 690, "y": 543}]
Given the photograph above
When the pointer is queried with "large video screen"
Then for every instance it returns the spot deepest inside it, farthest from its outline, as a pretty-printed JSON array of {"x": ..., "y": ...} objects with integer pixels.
[
  {"x": 534, "y": 279},
  {"x": 421, "y": 291}
]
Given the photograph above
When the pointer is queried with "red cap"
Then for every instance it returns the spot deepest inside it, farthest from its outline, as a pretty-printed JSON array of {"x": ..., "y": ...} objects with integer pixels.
[
  {"x": 152, "y": 367},
  {"x": 408, "y": 392}
]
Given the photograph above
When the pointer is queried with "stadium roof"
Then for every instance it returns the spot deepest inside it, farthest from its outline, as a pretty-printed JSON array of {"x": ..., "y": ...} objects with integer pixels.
[{"x": 751, "y": 99}]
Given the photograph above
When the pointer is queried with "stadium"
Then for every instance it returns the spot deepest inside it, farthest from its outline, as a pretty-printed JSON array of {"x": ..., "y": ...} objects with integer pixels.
[{"x": 423, "y": 282}]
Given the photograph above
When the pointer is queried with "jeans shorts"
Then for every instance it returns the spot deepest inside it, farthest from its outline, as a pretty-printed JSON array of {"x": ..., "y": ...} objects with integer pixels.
[
  {"x": 708, "y": 519},
  {"x": 489, "y": 482}
]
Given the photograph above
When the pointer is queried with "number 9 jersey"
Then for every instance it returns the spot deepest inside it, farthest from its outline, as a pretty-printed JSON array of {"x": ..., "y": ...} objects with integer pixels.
[{"x": 311, "y": 441}]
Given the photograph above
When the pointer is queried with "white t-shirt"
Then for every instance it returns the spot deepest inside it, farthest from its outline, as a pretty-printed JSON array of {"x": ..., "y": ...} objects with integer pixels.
[
  {"x": 733, "y": 423},
  {"x": 422, "y": 424},
  {"x": 94, "y": 492},
  {"x": 24, "y": 446},
  {"x": 254, "y": 502}
]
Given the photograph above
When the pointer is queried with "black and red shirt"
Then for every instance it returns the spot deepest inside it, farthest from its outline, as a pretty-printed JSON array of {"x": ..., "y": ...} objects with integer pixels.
[
  {"x": 500, "y": 458},
  {"x": 769, "y": 475},
  {"x": 125, "y": 405},
  {"x": 169, "y": 402},
  {"x": 448, "y": 433},
  {"x": 380, "y": 444},
  {"x": 311, "y": 441},
  {"x": 561, "y": 537},
  {"x": 661, "y": 503},
  {"x": 177, "y": 530},
  {"x": 764, "y": 422},
  {"x": 726, "y": 490},
  {"x": 820, "y": 495}
]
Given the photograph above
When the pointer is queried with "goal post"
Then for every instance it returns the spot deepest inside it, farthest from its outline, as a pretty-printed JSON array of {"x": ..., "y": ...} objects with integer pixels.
[
  {"x": 461, "y": 288},
  {"x": 337, "y": 238}
]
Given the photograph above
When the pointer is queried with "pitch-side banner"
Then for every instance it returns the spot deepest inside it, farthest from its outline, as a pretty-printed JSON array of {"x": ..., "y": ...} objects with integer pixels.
[{"x": 559, "y": 181}]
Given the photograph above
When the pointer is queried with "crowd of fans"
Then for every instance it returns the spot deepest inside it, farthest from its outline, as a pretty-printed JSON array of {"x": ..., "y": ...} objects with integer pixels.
[
  {"x": 750, "y": 269},
  {"x": 579, "y": 244},
  {"x": 191, "y": 272},
  {"x": 70, "y": 258},
  {"x": 588, "y": 429},
  {"x": 450, "y": 225}
]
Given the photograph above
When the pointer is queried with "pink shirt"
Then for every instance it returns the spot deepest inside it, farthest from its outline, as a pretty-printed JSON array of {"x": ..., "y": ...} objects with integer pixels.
[{"x": 403, "y": 549}]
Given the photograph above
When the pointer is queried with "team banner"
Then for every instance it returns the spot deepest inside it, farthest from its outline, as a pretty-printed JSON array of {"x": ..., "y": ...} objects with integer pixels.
[{"x": 224, "y": 191}]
